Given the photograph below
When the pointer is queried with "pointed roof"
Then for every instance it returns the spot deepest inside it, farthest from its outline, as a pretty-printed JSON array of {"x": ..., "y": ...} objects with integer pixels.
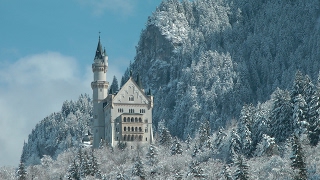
[{"x": 99, "y": 52}]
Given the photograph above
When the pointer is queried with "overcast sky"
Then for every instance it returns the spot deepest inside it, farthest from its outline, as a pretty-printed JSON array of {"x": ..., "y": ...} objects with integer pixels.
[{"x": 46, "y": 52}]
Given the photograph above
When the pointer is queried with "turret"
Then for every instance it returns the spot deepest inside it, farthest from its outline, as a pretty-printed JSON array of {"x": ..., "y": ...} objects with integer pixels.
[{"x": 99, "y": 87}]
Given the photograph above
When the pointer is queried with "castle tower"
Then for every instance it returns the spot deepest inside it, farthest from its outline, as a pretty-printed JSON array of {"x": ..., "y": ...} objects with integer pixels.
[{"x": 100, "y": 92}]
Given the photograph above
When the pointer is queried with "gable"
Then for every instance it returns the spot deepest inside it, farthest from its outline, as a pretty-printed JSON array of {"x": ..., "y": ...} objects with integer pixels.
[{"x": 130, "y": 93}]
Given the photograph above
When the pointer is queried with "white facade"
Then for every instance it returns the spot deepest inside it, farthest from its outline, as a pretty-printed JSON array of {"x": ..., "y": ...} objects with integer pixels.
[{"x": 122, "y": 117}]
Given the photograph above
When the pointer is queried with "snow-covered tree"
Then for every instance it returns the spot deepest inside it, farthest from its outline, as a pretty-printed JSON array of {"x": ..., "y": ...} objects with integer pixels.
[
  {"x": 176, "y": 147},
  {"x": 242, "y": 167},
  {"x": 152, "y": 155},
  {"x": 298, "y": 159},
  {"x": 138, "y": 169},
  {"x": 21, "y": 173},
  {"x": 281, "y": 116}
]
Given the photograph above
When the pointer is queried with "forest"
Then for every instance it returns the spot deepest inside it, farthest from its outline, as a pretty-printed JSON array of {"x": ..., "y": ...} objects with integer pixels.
[{"x": 236, "y": 96}]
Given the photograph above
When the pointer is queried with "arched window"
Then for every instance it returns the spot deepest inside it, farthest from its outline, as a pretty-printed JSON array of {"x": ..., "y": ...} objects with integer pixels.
[
  {"x": 135, "y": 119},
  {"x": 140, "y": 120},
  {"x": 124, "y": 119},
  {"x": 132, "y": 119},
  {"x": 140, "y": 129},
  {"x": 132, "y": 137},
  {"x": 140, "y": 138},
  {"x": 136, "y": 129},
  {"x": 124, "y": 137},
  {"x": 128, "y": 128},
  {"x": 131, "y": 98},
  {"x": 125, "y": 129},
  {"x": 132, "y": 129},
  {"x": 146, "y": 139}
]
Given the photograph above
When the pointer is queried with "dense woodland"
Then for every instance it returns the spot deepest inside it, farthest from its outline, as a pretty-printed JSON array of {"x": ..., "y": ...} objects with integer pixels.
[{"x": 237, "y": 96}]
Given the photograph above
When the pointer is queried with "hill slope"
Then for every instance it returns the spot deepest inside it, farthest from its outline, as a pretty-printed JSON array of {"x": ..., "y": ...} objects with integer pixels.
[{"x": 205, "y": 59}]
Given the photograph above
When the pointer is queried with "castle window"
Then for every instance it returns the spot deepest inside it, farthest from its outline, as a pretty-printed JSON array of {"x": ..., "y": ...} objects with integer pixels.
[
  {"x": 132, "y": 119},
  {"x": 135, "y": 119},
  {"x": 131, "y": 137},
  {"x": 124, "y": 137},
  {"x": 136, "y": 129},
  {"x": 131, "y": 98},
  {"x": 146, "y": 139},
  {"x": 124, "y": 119},
  {"x": 140, "y": 129},
  {"x": 140, "y": 120},
  {"x": 125, "y": 129},
  {"x": 128, "y": 128},
  {"x": 132, "y": 128},
  {"x": 146, "y": 130},
  {"x": 140, "y": 138},
  {"x": 142, "y": 111}
]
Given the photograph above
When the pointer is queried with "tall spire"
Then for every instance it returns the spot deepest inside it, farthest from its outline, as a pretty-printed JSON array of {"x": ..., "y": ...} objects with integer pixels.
[{"x": 99, "y": 52}]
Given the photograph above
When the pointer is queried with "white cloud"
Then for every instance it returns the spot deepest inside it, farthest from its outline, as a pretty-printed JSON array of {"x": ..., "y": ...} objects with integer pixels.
[
  {"x": 30, "y": 89},
  {"x": 124, "y": 7}
]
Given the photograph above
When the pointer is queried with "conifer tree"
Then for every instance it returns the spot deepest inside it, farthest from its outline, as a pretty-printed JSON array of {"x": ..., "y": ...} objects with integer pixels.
[
  {"x": 114, "y": 85},
  {"x": 241, "y": 168},
  {"x": 235, "y": 147},
  {"x": 244, "y": 129},
  {"x": 281, "y": 118},
  {"x": 176, "y": 147},
  {"x": 298, "y": 159},
  {"x": 299, "y": 114},
  {"x": 138, "y": 169},
  {"x": 165, "y": 137},
  {"x": 21, "y": 173},
  {"x": 204, "y": 133},
  {"x": 227, "y": 173},
  {"x": 73, "y": 171},
  {"x": 152, "y": 155},
  {"x": 195, "y": 170},
  {"x": 188, "y": 141},
  {"x": 313, "y": 116}
]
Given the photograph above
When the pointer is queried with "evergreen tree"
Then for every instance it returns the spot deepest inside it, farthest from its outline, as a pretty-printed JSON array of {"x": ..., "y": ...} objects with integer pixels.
[
  {"x": 195, "y": 150},
  {"x": 152, "y": 155},
  {"x": 313, "y": 116},
  {"x": 188, "y": 141},
  {"x": 21, "y": 173},
  {"x": 204, "y": 133},
  {"x": 195, "y": 170},
  {"x": 281, "y": 118},
  {"x": 114, "y": 85},
  {"x": 241, "y": 168},
  {"x": 165, "y": 137},
  {"x": 176, "y": 147},
  {"x": 298, "y": 159},
  {"x": 227, "y": 173},
  {"x": 138, "y": 169},
  {"x": 299, "y": 114},
  {"x": 244, "y": 129},
  {"x": 73, "y": 171},
  {"x": 93, "y": 165},
  {"x": 235, "y": 146}
]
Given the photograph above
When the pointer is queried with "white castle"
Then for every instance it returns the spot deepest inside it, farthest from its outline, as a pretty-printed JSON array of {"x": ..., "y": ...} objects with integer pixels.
[{"x": 125, "y": 116}]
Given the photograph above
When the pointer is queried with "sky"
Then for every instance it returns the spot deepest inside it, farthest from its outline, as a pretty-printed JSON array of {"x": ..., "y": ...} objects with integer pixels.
[{"x": 46, "y": 52}]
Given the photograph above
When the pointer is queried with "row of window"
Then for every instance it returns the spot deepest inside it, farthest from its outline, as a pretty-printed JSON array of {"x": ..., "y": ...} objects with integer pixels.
[
  {"x": 128, "y": 119},
  {"x": 136, "y": 129},
  {"x": 132, "y": 138},
  {"x": 120, "y": 110}
]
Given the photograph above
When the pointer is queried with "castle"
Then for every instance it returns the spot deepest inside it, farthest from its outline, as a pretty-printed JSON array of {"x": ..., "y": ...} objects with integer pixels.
[{"x": 124, "y": 116}]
